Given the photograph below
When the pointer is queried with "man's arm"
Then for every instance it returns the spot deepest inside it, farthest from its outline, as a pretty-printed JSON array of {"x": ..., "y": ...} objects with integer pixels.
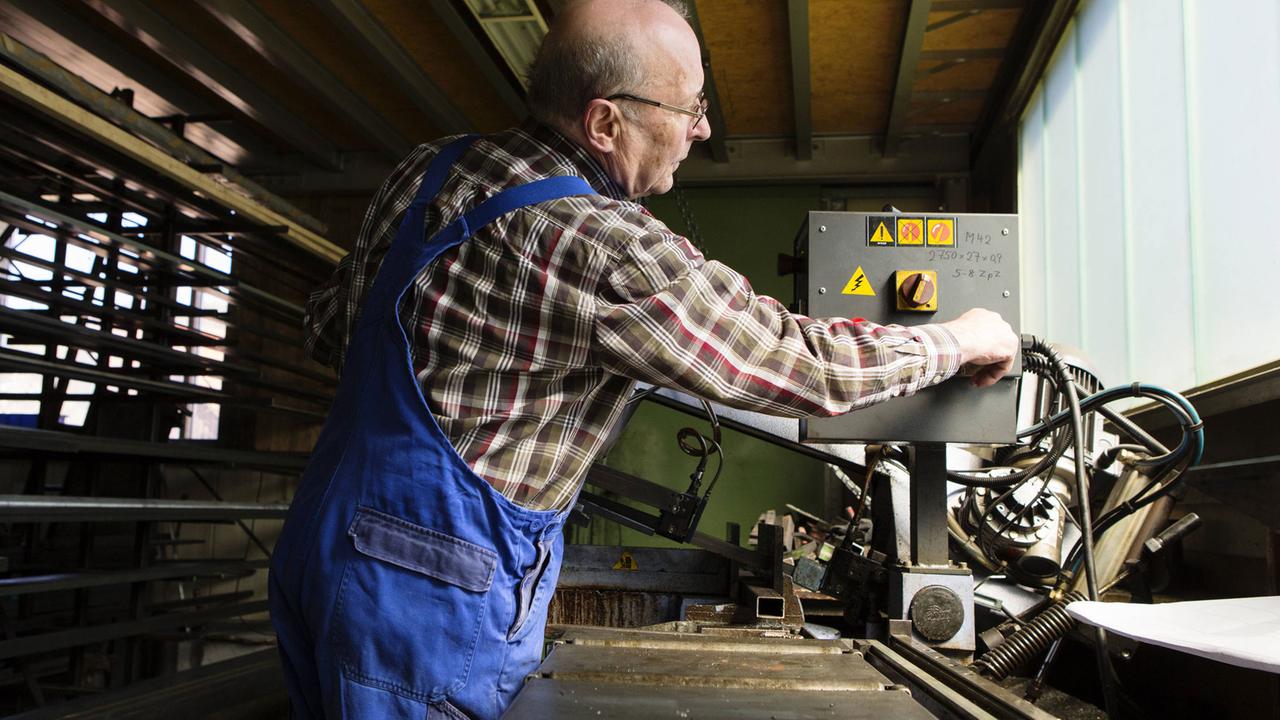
[{"x": 672, "y": 318}]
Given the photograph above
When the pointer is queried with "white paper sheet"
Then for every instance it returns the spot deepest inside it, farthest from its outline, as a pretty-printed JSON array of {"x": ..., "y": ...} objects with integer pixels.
[{"x": 1239, "y": 631}]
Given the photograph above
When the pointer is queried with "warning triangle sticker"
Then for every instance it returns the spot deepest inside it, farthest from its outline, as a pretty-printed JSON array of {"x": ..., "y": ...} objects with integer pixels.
[
  {"x": 858, "y": 284},
  {"x": 881, "y": 236}
]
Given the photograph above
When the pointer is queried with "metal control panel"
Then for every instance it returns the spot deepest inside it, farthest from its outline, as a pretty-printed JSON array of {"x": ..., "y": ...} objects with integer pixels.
[{"x": 914, "y": 269}]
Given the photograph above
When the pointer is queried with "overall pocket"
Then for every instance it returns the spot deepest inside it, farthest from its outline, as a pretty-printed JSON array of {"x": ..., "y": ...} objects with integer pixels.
[
  {"x": 527, "y": 592},
  {"x": 410, "y": 607}
]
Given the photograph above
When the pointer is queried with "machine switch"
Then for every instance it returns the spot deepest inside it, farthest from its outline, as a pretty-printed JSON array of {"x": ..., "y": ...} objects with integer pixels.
[{"x": 917, "y": 290}]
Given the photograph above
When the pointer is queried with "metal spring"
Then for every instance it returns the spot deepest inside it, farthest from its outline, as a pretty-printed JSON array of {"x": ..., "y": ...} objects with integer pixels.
[{"x": 1029, "y": 640}]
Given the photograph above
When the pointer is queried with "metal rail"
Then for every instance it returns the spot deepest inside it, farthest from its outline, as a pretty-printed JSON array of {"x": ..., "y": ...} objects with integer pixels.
[
  {"x": 65, "y": 443},
  {"x": 25, "y": 585},
  {"x": 93, "y": 634},
  {"x": 56, "y": 508}
]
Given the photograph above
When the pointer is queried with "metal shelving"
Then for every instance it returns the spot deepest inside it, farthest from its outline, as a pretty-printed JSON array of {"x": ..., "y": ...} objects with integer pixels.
[{"x": 135, "y": 295}]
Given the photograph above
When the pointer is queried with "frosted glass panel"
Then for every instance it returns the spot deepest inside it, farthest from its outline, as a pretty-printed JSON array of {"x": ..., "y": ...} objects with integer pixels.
[{"x": 1148, "y": 173}]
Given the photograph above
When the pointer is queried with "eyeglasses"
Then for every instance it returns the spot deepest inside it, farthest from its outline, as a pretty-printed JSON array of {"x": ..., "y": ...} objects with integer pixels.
[{"x": 697, "y": 115}]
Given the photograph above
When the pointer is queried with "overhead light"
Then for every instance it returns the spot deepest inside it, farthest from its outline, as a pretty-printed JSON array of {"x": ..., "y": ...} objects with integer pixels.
[{"x": 516, "y": 29}]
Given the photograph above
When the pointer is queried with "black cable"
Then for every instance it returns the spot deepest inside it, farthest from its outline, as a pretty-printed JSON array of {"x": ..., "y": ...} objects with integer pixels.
[
  {"x": 1035, "y": 364},
  {"x": 1086, "y": 520}
]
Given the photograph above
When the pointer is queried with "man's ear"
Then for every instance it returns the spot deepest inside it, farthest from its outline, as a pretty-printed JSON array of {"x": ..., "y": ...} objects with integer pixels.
[{"x": 601, "y": 125}]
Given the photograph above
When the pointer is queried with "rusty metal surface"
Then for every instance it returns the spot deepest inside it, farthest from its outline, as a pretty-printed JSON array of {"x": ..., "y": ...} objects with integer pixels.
[
  {"x": 675, "y": 640},
  {"x": 612, "y": 608},
  {"x": 712, "y": 613},
  {"x": 761, "y": 670},
  {"x": 575, "y": 700},
  {"x": 673, "y": 570}
]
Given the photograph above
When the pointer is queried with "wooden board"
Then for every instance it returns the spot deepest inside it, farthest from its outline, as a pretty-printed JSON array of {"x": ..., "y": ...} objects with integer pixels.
[
  {"x": 854, "y": 63},
  {"x": 751, "y": 61}
]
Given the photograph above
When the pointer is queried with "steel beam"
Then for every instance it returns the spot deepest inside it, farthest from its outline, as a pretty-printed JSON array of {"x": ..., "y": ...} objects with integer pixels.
[
  {"x": 57, "y": 508},
  {"x": 15, "y": 361},
  {"x": 247, "y": 686},
  {"x": 475, "y": 49},
  {"x": 153, "y": 30},
  {"x": 798, "y": 24},
  {"x": 715, "y": 113},
  {"x": 39, "y": 21},
  {"x": 29, "y": 324},
  {"x": 168, "y": 571},
  {"x": 908, "y": 59},
  {"x": 76, "y": 637},
  {"x": 403, "y": 70},
  {"x": 91, "y": 97},
  {"x": 252, "y": 25},
  {"x": 75, "y": 444},
  {"x": 146, "y": 251}
]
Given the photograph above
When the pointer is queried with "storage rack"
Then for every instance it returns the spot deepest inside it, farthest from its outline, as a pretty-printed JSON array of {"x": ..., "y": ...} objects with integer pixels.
[{"x": 110, "y": 563}]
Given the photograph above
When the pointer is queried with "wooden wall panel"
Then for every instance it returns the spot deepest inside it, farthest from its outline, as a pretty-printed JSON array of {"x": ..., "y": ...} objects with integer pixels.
[
  {"x": 428, "y": 41},
  {"x": 854, "y": 62},
  {"x": 751, "y": 61},
  {"x": 360, "y": 73}
]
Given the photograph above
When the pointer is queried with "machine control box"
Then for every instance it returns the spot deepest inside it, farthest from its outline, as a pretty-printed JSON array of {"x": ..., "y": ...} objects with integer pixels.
[{"x": 914, "y": 269}]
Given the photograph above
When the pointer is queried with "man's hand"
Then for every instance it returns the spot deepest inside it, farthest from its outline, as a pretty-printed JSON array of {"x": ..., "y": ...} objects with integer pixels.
[{"x": 987, "y": 344}]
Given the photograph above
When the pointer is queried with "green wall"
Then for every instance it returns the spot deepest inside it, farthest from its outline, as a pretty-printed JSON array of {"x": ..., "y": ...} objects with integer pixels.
[{"x": 745, "y": 228}]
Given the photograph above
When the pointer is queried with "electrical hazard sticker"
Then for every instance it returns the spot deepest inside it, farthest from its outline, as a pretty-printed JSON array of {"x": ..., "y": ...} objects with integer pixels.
[
  {"x": 942, "y": 231},
  {"x": 858, "y": 284},
  {"x": 910, "y": 231},
  {"x": 626, "y": 562},
  {"x": 880, "y": 230}
]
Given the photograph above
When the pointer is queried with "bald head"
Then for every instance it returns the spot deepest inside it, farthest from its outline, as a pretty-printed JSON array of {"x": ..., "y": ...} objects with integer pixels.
[{"x": 596, "y": 48}]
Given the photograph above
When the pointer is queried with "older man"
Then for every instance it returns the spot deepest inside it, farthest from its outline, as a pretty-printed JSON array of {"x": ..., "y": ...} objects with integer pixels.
[{"x": 504, "y": 295}]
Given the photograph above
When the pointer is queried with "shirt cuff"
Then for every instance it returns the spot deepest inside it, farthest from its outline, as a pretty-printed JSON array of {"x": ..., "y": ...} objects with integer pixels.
[{"x": 942, "y": 353}]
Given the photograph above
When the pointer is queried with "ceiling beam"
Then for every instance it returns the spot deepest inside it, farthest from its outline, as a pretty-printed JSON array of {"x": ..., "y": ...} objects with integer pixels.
[
  {"x": 908, "y": 59},
  {"x": 252, "y": 26},
  {"x": 351, "y": 16},
  {"x": 475, "y": 49},
  {"x": 153, "y": 30},
  {"x": 1036, "y": 37},
  {"x": 798, "y": 25},
  {"x": 969, "y": 54},
  {"x": 836, "y": 159},
  {"x": 715, "y": 113}
]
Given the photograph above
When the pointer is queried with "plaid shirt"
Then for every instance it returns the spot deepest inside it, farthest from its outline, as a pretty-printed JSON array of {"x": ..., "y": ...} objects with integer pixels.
[{"x": 527, "y": 338}]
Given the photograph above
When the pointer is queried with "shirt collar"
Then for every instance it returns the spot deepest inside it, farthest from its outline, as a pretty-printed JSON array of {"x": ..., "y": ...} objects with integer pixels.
[{"x": 577, "y": 157}]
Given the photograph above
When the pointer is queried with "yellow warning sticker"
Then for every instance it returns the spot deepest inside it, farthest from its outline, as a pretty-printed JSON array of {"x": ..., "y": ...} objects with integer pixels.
[
  {"x": 858, "y": 284},
  {"x": 626, "y": 562},
  {"x": 910, "y": 231},
  {"x": 880, "y": 231},
  {"x": 942, "y": 231}
]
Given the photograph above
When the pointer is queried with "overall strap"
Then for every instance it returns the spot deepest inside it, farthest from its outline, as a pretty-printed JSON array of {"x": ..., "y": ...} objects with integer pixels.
[
  {"x": 438, "y": 169},
  {"x": 552, "y": 188},
  {"x": 403, "y": 260},
  {"x": 409, "y": 254}
]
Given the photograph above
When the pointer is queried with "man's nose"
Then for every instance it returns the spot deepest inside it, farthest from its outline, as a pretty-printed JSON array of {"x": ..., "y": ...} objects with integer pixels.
[{"x": 702, "y": 129}]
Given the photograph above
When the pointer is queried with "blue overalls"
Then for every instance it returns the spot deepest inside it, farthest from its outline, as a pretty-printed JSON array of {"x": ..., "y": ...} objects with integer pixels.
[{"x": 403, "y": 584}]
